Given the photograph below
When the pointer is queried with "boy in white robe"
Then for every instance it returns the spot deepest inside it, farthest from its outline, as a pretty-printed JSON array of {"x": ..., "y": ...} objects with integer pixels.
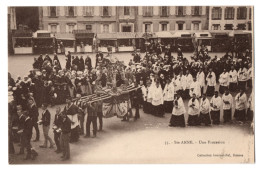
[
  {"x": 227, "y": 100},
  {"x": 223, "y": 81},
  {"x": 193, "y": 111},
  {"x": 201, "y": 79},
  {"x": 233, "y": 79},
  {"x": 177, "y": 118},
  {"x": 211, "y": 82},
  {"x": 195, "y": 88},
  {"x": 204, "y": 111},
  {"x": 250, "y": 111},
  {"x": 189, "y": 80},
  {"x": 242, "y": 78},
  {"x": 215, "y": 104},
  {"x": 168, "y": 96},
  {"x": 240, "y": 106},
  {"x": 249, "y": 76},
  {"x": 157, "y": 99}
]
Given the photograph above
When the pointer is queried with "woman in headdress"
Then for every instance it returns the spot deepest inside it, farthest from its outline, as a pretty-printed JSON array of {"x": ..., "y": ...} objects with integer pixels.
[{"x": 177, "y": 118}]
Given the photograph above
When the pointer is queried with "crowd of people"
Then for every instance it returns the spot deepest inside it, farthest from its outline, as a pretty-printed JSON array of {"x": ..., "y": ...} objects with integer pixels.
[{"x": 164, "y": 82}]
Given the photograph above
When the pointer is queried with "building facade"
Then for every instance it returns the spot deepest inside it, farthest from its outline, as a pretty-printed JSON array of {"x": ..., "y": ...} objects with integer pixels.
[{"x": 230, "y": 17}]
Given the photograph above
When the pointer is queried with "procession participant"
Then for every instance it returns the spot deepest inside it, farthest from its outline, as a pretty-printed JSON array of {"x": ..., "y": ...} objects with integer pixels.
[
  {"x": 45, "y": 122},
  {"x": 57, "y": 59},
  {"x": 233, "y": 79},
  {"x": 34, "y": 114},
  {"x": 162, "y": 80},
  {"x": 144, "y": 95},
  {"x": 21, "y": 121},
  {"x": 249, "y": 76},
  {"x": 201, "y": 79},
  {"x": 56, "y": 129},
  {"x": 177, "y": 84},
  {"x": 99, "y": 113},
  {"x": 92, "y": 118},
  {"x": 88, "y": 62},
  {"x": 223, "y": 81},
  {"x": 242, "y": 77},
  {"x": 215, "y": 104},
  {"x": 65, "y": 136},
  {"x": 81, "y": 65},
  {"x": 250, "y": 110},
  {"x": 27, "y": 135},
  {"x": 188, "y": 81},
  {"x": 81, "y": 113},
  {"x": 177, "y": 118},
  {"x": 71, "y": 111},
  {"x": 211, "y": 82},
  {"x": 157, "y": 99},
  {"x": 68, "y": 64},
  {"x": 193, "y": 111},
  {"x": 241, "y": 105},
  {"x": 204, "y": 111},
  {"x": 227, "y": 106},
  {"x": 195, "y": 88},
  {"x": 149, "y": 96},
  {"x": 40, "y": 60},
  {"x": 70, "y": 80},
  {"x": 168, "y": 96}
]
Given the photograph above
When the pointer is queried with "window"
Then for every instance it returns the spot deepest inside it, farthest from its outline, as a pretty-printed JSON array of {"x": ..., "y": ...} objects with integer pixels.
[
  {"x": 196, "y": 26},
  {"x": 228, "y": 26},
  {"x": 229, "y": 13},
  {"x": 216, "y": 26},
  {"x": 53, "y": 28},
  {"x": 164, "y": 27},
  {"x": 105, "y": 11},
  {"x": 126, "y": 10},
  {"x": 89, "y": 11},
  {"x": 216, "y": 13},
  {"x": 196, "y": 10},
  {"x": 105, "y": 28},
  {"x": 70, "y": 28},
  {"x": 249, "y": 26},
  {"x": 180, "y": 26},
  {"x": 148, "y": 11},
  {"x": 241, "y": 26},
  {"x": 180, "y": 11},
  {"x": 53, "y": 12},
  {"x": 126, "y": 29},
  {"x": 250, "y": 12},
  {"x": 71, "y": 11},
  {"x": 89, "y": 27},
  {"x": 241, "y": 13},
  {"x": 147, "y": 27},
  {"x": 164, "y": 11}
]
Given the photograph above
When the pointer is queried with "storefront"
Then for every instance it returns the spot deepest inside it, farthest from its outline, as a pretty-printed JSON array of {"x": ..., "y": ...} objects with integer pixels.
[
  {"x": 166, "y": 38},
  {"x": 43, "y": 42},
  {"x": 22, "y": 42},
  {"x": 203, "y": 39},
  {"x": 242, "y": 39},
  {"x": 183, "y": 40},
  {"x": 126, "y": 41},
  {"x": 105, "y": 40},
  {"x": 220, "y": 41},
  {"x": 65, "y": 42},
  {"x": 84, "y": 41}
]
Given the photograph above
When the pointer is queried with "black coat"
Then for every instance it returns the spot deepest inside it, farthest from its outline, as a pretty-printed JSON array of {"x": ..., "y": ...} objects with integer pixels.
[
  {"x": 27, "y": 131},
  {"x": 46, "y": 118},
  {"x": 33, "y": 113}
]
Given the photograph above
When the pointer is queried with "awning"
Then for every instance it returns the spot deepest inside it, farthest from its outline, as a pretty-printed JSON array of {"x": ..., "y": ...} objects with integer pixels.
[
  {"x": 180, "y": 34},
  {"x": 106, "y": 36},
  {"x": 203, "y": 35},
  {"x": 126, "y": 35},
  {"x": 42, "y": 34},
  {"x": 65, "y": 36},
  {"x": 22, "y": 34},
  {"x": 219, "y": 34},
  {"x": 83, "y": 34},
  {"x": 164, "y": 34}
]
